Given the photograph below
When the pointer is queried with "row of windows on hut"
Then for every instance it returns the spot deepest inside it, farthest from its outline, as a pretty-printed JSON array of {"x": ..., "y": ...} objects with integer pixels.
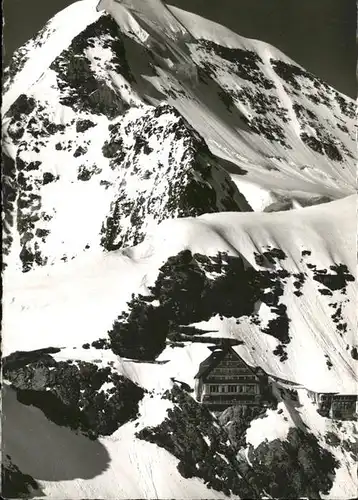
[{"x": 248, "y": 388}]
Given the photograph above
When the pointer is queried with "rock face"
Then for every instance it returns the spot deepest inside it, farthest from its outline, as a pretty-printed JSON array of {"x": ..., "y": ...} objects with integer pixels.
[
  {"x": 185, "y": 294},
  {"x": 100, "y": 174},
  {"x": 165, "y": 171},
  {"x": 79, "y": 395},
  {"x": 192, "y": 435},
  {"x": 306, "y": 468},
  {"x": 150, "y": 166},
  {"x": 16, "y": 484}
]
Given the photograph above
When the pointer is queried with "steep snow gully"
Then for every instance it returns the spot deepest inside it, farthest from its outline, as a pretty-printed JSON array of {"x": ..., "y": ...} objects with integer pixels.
[{"x": 172, "y": 190}]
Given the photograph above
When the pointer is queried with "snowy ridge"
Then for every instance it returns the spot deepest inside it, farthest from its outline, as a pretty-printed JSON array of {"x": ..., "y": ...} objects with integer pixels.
[
  {"x": 141, "y": 167},
  {"x": 154, "y": 13},
  {"x": 33, "y": 59},
  {"x": 241, "y": 235},
  {"x": 287, "y": 130},
  {"x": 229, "y": 137},
  {"x": 313, "y": 335}
]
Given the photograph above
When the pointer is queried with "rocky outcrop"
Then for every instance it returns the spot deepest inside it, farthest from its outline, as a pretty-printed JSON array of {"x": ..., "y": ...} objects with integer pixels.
[
  {"x": 165, "y": 170},
  {"x": 16, "y": 484},
  {"x": 297, "y": 467},
  {"x": 191, "y": 434},
  {"x": 77, "y": 394},
  {"x": 147, "y": 166},
  {"x": 193, "y": 288}
]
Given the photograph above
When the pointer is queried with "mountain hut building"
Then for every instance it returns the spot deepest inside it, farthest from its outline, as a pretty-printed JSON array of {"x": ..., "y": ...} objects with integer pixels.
[{"x": 224, "y": 379}]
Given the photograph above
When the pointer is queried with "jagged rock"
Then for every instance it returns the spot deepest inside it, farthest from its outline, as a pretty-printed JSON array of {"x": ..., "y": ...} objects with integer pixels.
[
  {"x": 191, "y": 434},
  {"x": 75, "y": 394},
  {"x": 16, "y": 484}
]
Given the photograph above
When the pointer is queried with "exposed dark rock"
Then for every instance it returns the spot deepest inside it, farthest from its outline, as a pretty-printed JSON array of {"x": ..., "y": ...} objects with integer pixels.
[
  {"x": 23, "y": 105},
  {"x": 196, "y": 183},
  {"x": 245, "y": 63},
  {"x": 16, "y": 484},
  {"x": 269, "y": 256},
  {"x": 85, "y": 173},
  {"x": 297, "y": 467},
  {"x": 348, "y": 108},
  {"x": 48, "y": 178},
  {"x": 328, "y": 362},
  {"x": 323, "y": 145},
  {"x": 279, "y": 326},
  {"x": 100, "y": 344},
  {"x": 81, "y": 88},
  {"x": 182, "y": 434},
  {"x": 112, "y": 148},
  {"x": 294, "y": 74},
  {"x": 271, "y": 130},
  {"x": 69, "y": 393},
  {"x": 8, "y": 193},
  {"x": 354, "y": 353},
  {"x": 237, "y": 419},
  {"x": 42, "y": 233},
  {"x": 80, "y": 151},
  {"x": 83, "y": 125},
  {"x": 20, "y": 359},
  {"x": 280, "y": 349},
  {"x": 298, "y": 284},
  {"x": 332, "y": 439},
  {"x": 186, "y": 295},
  {"x": 21, "y": 55},
  {"x": 336, "y": 280}
]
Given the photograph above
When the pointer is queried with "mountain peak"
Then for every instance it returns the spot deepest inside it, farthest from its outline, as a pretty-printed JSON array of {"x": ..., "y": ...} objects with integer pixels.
[{"x": 258, "y": 113}]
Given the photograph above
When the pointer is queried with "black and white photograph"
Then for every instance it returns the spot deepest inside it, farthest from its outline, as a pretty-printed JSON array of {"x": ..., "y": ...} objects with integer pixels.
[{"x": 179, "y": 227}]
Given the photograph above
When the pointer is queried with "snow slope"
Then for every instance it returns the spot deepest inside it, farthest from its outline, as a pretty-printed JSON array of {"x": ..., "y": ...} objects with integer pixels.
[
  {"x": 246, "y": 91},
  {"x": 57, "y": 311},
  {"x": 327, "y": 231}
]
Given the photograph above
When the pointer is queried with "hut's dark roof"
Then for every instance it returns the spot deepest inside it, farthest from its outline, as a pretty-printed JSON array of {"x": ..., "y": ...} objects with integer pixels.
[{"x": 214, "y": 359}]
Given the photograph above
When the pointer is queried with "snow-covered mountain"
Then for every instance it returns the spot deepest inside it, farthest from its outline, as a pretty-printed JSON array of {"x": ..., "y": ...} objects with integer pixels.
[{"x": 143, "y": 149}]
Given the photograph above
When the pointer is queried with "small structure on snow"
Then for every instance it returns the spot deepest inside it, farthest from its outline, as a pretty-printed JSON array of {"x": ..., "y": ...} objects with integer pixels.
[{"x": 335, "y": 405}]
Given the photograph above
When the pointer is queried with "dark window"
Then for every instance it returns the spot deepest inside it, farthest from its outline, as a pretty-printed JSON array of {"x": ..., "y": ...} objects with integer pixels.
[
  {"x": 249, "y": 389},
  {"x": 344, "y": 405},
  {"x": 214, "y": 388}
]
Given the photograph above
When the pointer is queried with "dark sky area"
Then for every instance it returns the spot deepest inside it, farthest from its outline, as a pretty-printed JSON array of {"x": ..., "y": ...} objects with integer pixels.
[{"x": 318, "y": 34}]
